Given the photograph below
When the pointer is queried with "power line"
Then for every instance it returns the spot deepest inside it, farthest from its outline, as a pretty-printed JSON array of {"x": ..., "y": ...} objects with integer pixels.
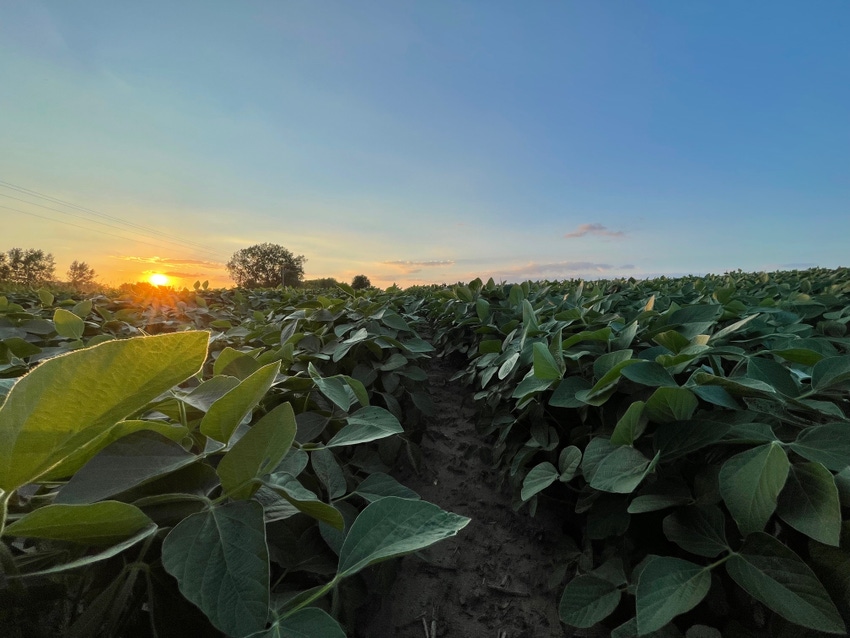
[
  {"x": 95, "y": 221},
  {"x": 59, "y": 221},
  {"x": 145, "y": 229}
]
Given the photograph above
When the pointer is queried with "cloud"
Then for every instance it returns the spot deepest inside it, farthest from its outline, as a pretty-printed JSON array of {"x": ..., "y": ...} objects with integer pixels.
[
  {"x": 557, "y": 268},
  {"x": 406, "y": 267},
  {"x": 593, "y": 229},
  {"x": 165, "y": 261},
  {"x": 184, "y": 275},
  {"x": 427, "y": 264}
]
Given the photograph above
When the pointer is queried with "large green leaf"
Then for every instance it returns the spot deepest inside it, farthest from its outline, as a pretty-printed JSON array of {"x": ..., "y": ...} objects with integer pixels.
[
  {"x": 773, "y": 574},
  {"x": 631, "y": 425},
  {"x": 774, "y": 373},
  {"x": 587, "y": 600},
  {"x": 379, "y": 485},
  {"x": 102, "y": 523},
  {"x": 809, "y": 503},
  {"x": 666, "y": 588},
  {"x": 227, "y": 412},
  {"x": 538, "y": 479},
  {"x": 68, "y": 401},
  {"x": 258, "y": 452},
  {"x": 750, "y": 483},
  {"x": 68, "y": 324},
  {"x": 699, "y": 529},
  {"x": 304, "y": 500},
  {"x": 367, "y": 424},
  {"x": 124, "y": 464},
  {"x": 827, "y": 444},
  {"x": 651, "y": 374},
  {"x": 830, "y": 371},
  {"x": 393, "y": 527},
  {"x": 671, "y": 404},
  {"x": 622, "y": 470},
  {"x": 329, "y": 472},
  {"x": 545, "y": 366},
  {"x": 333, "y": 388},
  {"x": 221, "y": 563}
]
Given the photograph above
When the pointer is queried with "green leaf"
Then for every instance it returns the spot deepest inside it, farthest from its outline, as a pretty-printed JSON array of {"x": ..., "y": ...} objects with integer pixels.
[
  {"x": 622, "y": 470},
  {"x": 102, "y": 523},
  {"x": 304, "y": 500},
  {"x": 698, "y": 529},
  {"x": 68, "y": 401},
  {"x": 650, "y": 373},
  {"x": 683, "y": 437},
  {"x": 68, "y": 324},
  {"x": 45, "y": 297},
  {"x": 545, "y": 366},
  {"x": 809, "y": 503},
  {"x": 311, "y": 622},
  {"x": 538, "y": 479},
  {"x": 774, "y": 373},
  {"x": 130, "y": 461},
  {"x": 379, "y": 485},
  {"x": 564, "y": 396},
  {"x": 333, "y": 388},
  {"x": 671, "y": 404},
  {"x": 367, "y": 424},
  {"x": 221, "y": 563},
  {"x": 631, "y": 425},
  {"x": 588, "y": 600},
  {"x": 568, "y": 462},
  {"x": 393, "y": 527},
  {"x": 774, "y": 575},
  {"x": 91, "y": 558},
  {"x": 609, "y": 362},
  {"x": 830, "y": 371},
  {"x": 328, "y": 472},
  {"x": 827, "y": 444},
  {"x": 666, "y": 588},
  {"x": 258, "y": 452},
  {"x": 750, "y": 483},
  {"x": 228, "y": 412}
]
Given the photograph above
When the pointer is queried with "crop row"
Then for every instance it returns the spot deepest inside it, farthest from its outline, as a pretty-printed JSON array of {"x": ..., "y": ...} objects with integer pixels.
[
  {"x": 695, "y": 434},
  {"x": 239, "y": 469}
]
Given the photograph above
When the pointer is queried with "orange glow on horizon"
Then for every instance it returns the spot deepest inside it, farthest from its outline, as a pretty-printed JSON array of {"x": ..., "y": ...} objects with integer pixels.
[{"x": 158, "y": 279}]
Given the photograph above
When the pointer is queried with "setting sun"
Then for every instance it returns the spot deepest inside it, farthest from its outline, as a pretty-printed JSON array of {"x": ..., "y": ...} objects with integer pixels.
[{"x": 158, "y": 279}]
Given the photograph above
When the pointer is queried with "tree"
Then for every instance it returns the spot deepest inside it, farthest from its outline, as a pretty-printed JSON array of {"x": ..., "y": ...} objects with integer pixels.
[
  {"x": 361, "y": 282},
  {"x": 322, "y": 282},
  {"x": 30, "y": 267},
  {"x": 265, "y": 266},
  {"x": 80, "y": 274}
]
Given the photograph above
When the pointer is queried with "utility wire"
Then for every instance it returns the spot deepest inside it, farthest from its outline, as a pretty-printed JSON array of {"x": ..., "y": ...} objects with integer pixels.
[
  {"x": 95, "y": 221},
  {"x": 56, "y": 200},
  {"x": 59, "y": 221}
]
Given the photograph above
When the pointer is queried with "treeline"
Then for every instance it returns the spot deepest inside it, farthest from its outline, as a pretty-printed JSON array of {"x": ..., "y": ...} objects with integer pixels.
[{"x": 34, "y": 267}]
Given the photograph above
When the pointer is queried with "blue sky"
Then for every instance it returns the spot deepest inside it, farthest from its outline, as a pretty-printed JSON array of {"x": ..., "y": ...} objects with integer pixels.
[{"x": 420, "y": 142}]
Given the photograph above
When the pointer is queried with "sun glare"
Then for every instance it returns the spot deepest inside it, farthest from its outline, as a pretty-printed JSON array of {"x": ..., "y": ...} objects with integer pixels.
[{"x": 158, "y": 279}]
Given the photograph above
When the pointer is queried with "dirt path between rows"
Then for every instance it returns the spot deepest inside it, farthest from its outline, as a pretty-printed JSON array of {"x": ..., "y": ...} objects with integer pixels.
[{"x": 491, "y": 579}]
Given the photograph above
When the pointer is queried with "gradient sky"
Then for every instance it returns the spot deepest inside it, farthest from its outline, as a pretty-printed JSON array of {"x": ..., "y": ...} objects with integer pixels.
[{"x": 429, "y": 141}]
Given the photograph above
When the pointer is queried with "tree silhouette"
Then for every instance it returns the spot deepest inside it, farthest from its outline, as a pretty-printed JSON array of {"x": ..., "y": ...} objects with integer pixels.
[{"x": 265, "y": 266}]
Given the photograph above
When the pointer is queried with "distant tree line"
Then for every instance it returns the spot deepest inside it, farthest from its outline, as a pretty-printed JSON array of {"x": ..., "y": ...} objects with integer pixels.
[{"x": 34, "y": 267}]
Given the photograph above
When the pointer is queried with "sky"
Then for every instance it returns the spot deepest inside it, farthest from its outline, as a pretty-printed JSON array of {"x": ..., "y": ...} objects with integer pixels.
[{"x": 427, "y": 142}]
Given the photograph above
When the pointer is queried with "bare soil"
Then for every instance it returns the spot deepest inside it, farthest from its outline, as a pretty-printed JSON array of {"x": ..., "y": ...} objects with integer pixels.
[{"x": 491, "y": 580}]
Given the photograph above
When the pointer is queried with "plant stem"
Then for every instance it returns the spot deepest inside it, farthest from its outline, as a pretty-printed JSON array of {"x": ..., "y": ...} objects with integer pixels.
[
  {"x": 324, "y": 590},
  {"x": 4, "y": 505}
]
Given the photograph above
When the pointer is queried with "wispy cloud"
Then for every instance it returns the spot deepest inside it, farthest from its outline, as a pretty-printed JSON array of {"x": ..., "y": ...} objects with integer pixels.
[
  {"x": 558, "y": 268},
  {"x": 594, "y": 229},
  {"x": 166, "y": 261},
  {"x": 425, "y": 264},
  {"x": 184, "y": 275},
  {"x": 407, "y": 267}
]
